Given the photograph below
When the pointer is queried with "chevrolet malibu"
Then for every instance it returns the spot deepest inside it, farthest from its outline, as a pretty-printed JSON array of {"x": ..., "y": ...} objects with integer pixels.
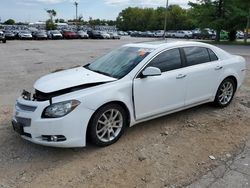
[{"x": 129, "y": 85}]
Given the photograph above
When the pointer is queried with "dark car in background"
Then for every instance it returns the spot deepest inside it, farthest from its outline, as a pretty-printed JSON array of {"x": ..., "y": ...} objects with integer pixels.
[
  {"x": 204, "y": 34},
  {"x": 40, "y": 35},
  {"x": 69, "y": 34},
  {"x": 94, "y": 34},
  {"x": 9, "y": 35},
  {"x": 54, "y": 34},
  {"x": 2, "y": 37}
]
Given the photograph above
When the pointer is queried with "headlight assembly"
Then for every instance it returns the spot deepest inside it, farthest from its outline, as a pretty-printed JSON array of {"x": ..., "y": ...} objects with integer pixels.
[{"x": 60, "y": 109}]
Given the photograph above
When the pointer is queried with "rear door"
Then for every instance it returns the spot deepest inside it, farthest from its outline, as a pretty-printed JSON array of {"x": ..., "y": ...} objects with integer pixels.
[{"x": 203, "y": 70}]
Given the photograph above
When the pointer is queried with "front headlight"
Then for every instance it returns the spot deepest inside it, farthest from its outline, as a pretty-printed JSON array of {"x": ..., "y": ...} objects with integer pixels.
[{"x": 60, "y": 109}]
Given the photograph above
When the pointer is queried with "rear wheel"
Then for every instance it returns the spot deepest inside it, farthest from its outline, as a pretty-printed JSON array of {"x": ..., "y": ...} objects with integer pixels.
[
  {"x": 4, "y": 40},
  {"x": 107, "y": 125},
  {"x": 225, "y": 93}
]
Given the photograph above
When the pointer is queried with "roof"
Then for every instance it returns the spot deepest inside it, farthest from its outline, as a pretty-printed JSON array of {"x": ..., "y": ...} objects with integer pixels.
[{"x": 166, "y": 44}]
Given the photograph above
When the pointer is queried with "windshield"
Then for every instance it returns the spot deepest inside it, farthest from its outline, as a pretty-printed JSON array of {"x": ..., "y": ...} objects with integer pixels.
[{"x": 120, "y": 62}]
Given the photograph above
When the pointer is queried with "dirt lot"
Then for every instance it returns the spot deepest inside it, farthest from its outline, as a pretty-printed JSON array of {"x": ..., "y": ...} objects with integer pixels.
[{"x": 168, "y": 151}]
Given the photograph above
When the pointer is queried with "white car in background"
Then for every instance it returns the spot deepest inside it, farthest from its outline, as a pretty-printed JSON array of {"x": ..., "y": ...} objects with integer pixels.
[
  {"x": 183, "y": 34},
  {"x": 54, "y": 34},
  {"x": 240, "y": 34},
  {"x": 25, "y": 34},
  {"x": 105, "y": 35},
  {"x": 159, "y": 34},
  {"x": 132, "y": 84},
  {"x": 82, "y": 34}
]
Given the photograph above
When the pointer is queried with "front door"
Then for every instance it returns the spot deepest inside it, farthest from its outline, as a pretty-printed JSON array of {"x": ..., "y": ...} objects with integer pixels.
[{"x": 159, "y": 94}]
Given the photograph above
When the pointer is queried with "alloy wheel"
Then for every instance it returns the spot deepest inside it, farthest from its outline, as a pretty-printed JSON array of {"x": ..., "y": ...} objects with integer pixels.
[
  {"x": 109, "y": 125},
  {"x": 226, "y": 92}
]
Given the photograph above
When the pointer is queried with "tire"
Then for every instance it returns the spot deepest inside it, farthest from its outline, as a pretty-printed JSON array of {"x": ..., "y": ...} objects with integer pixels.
[
  {"x": 102, "y": 130},
  {"x": 4, "y": 40},
  {"x": 224, "y": 98}
]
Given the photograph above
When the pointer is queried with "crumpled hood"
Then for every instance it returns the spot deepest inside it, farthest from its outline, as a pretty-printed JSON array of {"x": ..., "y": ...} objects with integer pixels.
[{"x": 69, "y": 78}]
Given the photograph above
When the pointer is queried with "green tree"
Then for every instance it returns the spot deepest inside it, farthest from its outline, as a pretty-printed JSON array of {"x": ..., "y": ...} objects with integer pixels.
[
  {"x": 230, "y": 15},
  {"x": 10, "y": 22},
  {"x": 50, "y": 23},
  {"x": 244, "y": 11},
  {"x": 59, "y": 20},
  {"x": 143, "y": 19},
  {"x": 51, "y": 13}
]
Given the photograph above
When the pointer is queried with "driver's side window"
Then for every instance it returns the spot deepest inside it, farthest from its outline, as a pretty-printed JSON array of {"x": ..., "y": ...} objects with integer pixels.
[{"x": 167, "y": 60}]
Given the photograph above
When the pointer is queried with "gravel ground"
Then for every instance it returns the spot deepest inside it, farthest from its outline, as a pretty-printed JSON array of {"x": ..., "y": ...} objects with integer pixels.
[{"x": 171, "y": 151}]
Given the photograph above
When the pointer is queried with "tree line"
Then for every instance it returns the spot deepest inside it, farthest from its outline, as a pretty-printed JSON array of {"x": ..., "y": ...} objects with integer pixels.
[{"x": 230, "y": 15}]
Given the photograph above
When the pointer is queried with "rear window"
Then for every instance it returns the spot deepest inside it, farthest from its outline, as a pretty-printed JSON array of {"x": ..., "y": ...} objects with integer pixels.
[
  {"x": 213, "y": 56},
  {"x": 196, "y": 55}
]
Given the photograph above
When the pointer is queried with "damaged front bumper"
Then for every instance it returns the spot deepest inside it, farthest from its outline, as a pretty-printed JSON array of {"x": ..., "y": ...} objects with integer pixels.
[{"x": 67, "y": 131}]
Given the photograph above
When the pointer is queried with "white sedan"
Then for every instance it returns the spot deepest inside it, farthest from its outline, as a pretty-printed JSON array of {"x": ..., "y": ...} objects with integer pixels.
[{"x": 129, "y": 85}]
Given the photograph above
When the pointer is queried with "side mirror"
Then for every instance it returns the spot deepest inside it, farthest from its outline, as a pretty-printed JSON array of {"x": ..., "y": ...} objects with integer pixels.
[{"x": 151, "y": 71}]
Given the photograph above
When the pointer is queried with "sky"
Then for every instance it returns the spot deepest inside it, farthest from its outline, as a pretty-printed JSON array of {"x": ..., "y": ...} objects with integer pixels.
[{"x": 35, "y": 10}]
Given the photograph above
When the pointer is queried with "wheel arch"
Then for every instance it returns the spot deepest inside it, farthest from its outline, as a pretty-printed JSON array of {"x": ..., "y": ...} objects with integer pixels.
[
  {"x": 234, "y": 79},
  {"x": 122, "y": 104}
]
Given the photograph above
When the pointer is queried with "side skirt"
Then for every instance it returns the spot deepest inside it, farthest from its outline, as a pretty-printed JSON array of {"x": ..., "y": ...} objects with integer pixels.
[{"x": 170, "y": 112}]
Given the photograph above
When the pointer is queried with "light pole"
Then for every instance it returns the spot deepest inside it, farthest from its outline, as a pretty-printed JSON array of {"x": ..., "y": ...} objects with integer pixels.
[
  {"x": 165, "y": 24},
  {"x": 76, "y": 4}
]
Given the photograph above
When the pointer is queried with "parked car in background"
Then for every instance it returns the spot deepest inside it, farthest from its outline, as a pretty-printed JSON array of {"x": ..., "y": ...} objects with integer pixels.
[
  {"x": 105, "y": 35},
  {"x": 40, "y": 35},
  {"x": 148, "y": 34},
  {"x": 94, "y": 101},
  {"x": 121, "y": 33},
  {"x": 183, "y": 34},
  {"x": 82, "y": 34},
  {"x": 95, "y": 34},
  {"x": 2, "y": 37},
  {"x": 170, "y": 33},
  {"x": 54, "y": 34},
  {"x": 240, "y": 34},
  {"x": 9, "y": 35},
  {"x": 136, "y": 34},
  {"x": 114, "y": 35},
  {"x": 67, "y": 34},
  {"x": 25, "y": 34},
  {"x": 224, "y": 35},
  {"x": 159, "y": 34},
  {"x": 203, "y": 34}
]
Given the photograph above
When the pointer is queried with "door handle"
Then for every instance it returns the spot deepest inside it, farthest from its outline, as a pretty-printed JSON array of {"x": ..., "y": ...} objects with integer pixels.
[
  {"x": 218, "y": 68},
  {"x": 180, "y": 76}
]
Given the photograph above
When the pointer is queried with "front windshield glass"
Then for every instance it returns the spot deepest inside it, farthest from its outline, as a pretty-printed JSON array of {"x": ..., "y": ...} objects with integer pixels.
[{"x": 120, "y": 62}]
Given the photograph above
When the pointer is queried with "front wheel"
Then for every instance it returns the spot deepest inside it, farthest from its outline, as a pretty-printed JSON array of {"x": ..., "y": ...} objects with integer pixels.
[
  {"x": 107, "y": 125},
  {"x": 225, "y": 93}
]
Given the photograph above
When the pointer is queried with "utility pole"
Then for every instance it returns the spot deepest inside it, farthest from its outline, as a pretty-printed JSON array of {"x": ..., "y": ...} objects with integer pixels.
[
  {"x": 76, "y": 4},
  {"x": 165, "y": 24}
]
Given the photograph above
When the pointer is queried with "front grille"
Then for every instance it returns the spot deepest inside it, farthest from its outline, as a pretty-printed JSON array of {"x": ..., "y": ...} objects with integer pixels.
[
  {"x": 25, "y": 122},
  {"x": 24, "y": 107}
]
